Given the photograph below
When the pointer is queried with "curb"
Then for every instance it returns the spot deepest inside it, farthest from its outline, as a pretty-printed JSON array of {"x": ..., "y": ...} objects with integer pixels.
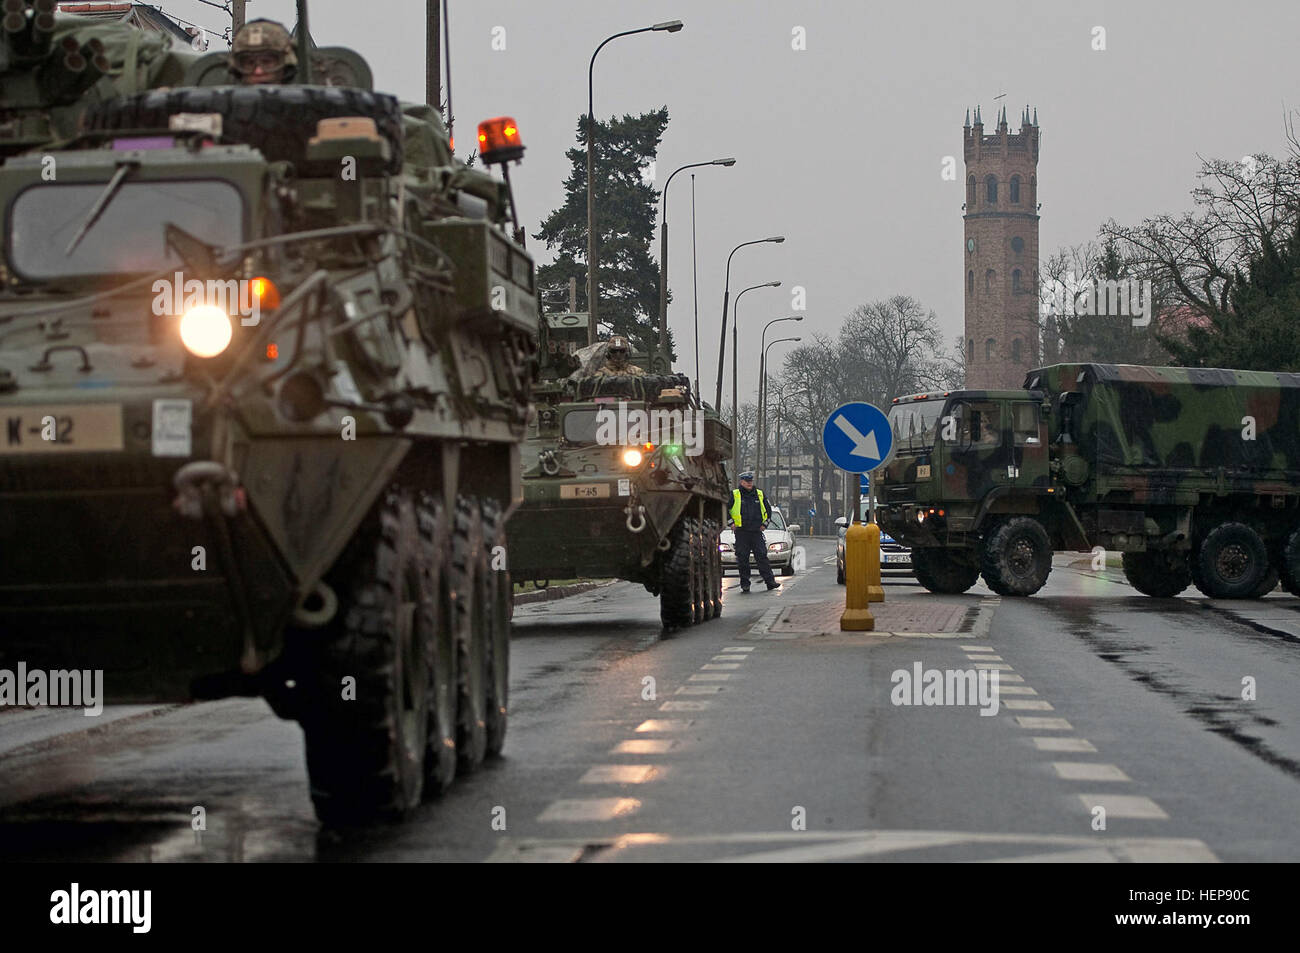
[{"x": 559, "y": 592}]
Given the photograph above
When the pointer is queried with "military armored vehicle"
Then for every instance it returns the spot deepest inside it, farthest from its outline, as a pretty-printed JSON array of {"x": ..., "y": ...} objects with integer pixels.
[
  {"x": 265, "y": 354},
  {"x": 1193, "y": 474},
  {"x": 623, "y": 478}
]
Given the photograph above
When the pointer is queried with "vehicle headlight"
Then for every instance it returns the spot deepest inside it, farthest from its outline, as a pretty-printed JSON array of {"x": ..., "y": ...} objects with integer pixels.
[
  {"x": 632, "y": 457},
  {"x": 920, "y": 516},
  {"x": 206, "y": 330},
  {"x": 777, "y": 547},
  {"x": 726, "y": 548}
]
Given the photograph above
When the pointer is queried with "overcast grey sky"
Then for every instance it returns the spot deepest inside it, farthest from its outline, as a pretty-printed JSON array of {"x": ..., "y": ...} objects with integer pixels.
[{"x": 840, "y": 146}]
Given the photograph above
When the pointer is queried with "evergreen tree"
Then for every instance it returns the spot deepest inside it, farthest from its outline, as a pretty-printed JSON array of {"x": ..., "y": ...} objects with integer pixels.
[{"x": 626, "y": 208}]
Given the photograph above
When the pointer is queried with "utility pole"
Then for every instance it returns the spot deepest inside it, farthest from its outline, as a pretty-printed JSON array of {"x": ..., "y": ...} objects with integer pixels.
[
  {"x": 432, "y": 64},
  {"x": 237, "y": 17}
]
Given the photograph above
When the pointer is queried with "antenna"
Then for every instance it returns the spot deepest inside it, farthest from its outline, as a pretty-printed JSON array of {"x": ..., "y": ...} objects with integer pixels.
[
  {"x": 446, "y": 56},
  {"x": 304, "y": 45}
]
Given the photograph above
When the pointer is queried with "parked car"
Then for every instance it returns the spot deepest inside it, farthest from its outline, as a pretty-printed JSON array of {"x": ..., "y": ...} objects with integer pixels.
[
  {"x": 895, "y": 558},
  {"x": 780, "y": 545}
]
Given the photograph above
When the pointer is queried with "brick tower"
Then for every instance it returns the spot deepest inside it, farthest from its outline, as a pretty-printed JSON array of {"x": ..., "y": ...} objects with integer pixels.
[{"x": 1000, "y": 251}]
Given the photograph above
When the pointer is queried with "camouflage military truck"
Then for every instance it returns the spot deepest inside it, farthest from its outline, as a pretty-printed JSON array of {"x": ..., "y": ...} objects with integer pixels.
[
  {"x": 603, "y": 498},
  {"x": 264, "y": 365},
  {"x": 1192, "y": 474}
]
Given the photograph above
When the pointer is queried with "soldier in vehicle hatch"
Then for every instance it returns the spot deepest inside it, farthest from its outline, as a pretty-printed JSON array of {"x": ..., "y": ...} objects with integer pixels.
[
  {"x": 262, "y": 53},
  {"x": 616, "y": 360}
]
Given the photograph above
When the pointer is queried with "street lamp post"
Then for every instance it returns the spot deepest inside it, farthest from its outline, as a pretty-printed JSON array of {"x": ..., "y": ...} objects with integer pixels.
[
  {"x": 780, "y": 415},
  {"x": 663, "y": 253},
  {"x": 593, "y": 266},
  {"x": 762, "y": 392},
  {"x": 726, "y": 296},
  {"x": 735, "y": 323}
]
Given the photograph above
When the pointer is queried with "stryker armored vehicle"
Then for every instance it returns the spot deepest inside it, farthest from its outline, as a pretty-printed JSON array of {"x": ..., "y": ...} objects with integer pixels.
[
  {"x": 1193, "y": 474},
  {"x": 623, "y": 477},
  {"x": 265, "y": 354}
]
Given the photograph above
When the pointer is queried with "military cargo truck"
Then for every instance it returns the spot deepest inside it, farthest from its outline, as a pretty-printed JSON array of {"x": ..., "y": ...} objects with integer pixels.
[
  {"x": 1193, "y": 474},
  {"x": 604, "y": 500},
  {"x": 265, "y": 354}
]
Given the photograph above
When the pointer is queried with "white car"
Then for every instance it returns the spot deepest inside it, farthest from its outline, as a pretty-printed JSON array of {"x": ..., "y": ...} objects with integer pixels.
[{"x": 780, "y": 546}]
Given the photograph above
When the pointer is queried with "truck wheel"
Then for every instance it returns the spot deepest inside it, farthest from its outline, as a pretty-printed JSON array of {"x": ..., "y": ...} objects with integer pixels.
[
  {"x": 713, "y": 576},
  {"x": 1017, "y": 557},
  {"x": 500, "y": 603},
  {"x": 469, "y": 579},
  {"x": 440, "y": 745},
  {"x": 1267, "y": 584},
  {"x": 675, "y": 581},
  {"x": 1161, "y": 575},
  {"x": 839, "y": 572},
  {"x": 1289, "y": 564},
  {"x": 941, "y": 571},
  {"x": 277, "y": 120},
  {"x": 367, "y": 724},
  {"x": 699, "y": 574},
  {"x": 1231, "y": 562}
]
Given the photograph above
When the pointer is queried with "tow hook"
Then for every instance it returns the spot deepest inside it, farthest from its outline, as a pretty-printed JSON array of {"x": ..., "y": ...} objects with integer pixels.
[
  {"x": 190, "y": 480},
  {"x": 550, "y": 465},
  {"x": 639, "y": 514}
]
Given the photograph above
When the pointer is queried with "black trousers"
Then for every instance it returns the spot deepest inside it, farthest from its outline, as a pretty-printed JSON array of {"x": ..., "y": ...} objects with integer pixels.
[{"x": 747, "y": 541}]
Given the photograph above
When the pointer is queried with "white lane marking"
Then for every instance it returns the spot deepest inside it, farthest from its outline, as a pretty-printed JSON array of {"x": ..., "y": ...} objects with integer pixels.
[
  {"x": 977, "y": 648},
  {"x": 718, "y": 667},
  {"x": 986, "y": 658},
  {"x": 699, "y": 690},
  {"x": 992, "y": 667},
  {"x": 619, "y": 774},
  {"x": 730, "y": 658},
  {"x": 1044, "y": 724},
  {"x": 1124, "y": 805},
  {"x": 644, "y": 746},
  {"x": 1004, "y": 677},
  {"x": 684, "y": 706},
  {"x": 664, "y": 724},
  {"x": 1088, "y": 771},
  {"x": 589, "y": 809},
  {"x": 710, "y": 677},
  {"x": 1027, "y": 704},
  {"x": 1015, "y": 689},
  {"x": 1063, "y": 744},
  {"x": 739, "y": 648}
]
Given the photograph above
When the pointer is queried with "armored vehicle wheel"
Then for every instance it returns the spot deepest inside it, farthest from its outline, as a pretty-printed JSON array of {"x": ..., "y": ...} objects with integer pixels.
[
  {"x": 1231, "y": 562},
  {"x": 699, "y": 577},
  {"x": 500, "y": 609},
  {"x": 367, "y": 725},
  {"x": 715, "y": 568},
  {"x": 1161, "y": 575},
  {"x": 469, "y": 574},
  {"x": 1267, "y": 584},
  {"x": 675, "y": 580},
  {"x": 1017, "y": 557},
  {"x": 941, "y": 571},
  {"x": 278, "y": 120},
  {"x": 1289, "y": 563},
  {"x": 440, "y": 748}
]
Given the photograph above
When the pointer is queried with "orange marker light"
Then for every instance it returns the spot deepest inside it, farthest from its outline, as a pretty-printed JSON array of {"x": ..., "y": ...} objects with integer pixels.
[
  {"x": 498, "y": 140},
  {"x": 267, "y": 294},
  {"x": 272, "y": 352}
]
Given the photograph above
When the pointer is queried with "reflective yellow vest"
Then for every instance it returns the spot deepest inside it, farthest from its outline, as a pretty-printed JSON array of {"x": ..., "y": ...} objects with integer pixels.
[{"x": 735, "y": 507}]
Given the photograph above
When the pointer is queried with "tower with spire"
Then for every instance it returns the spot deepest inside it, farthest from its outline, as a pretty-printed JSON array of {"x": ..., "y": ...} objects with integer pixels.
[{"x": 1000, "y": 250}]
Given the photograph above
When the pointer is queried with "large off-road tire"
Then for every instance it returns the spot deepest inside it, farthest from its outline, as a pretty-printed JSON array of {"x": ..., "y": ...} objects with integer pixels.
[
  {"x": 1288, "y": 565},
  {"x": 277, "y": 120},
  {"x": 1016, "y": 557},
  {"x": 469, "y": 572},
  {"x": 712, "y": 529},
  {"x": 366, "y": 725},
  {"x": 675, "y": 580},
  {"x": 501, "y": 607},
  {"x": 440, "y": 746},
  {"x": 699, "y": 574},
  {"x": 939, "y": 570},
  {"x": 1231, "y": 562},
  {"x": 1156, "y": 573},
  {"x": 1267, "y": 584}
]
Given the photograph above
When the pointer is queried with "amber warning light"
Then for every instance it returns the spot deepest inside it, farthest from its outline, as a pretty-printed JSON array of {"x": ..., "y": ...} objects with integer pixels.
[{"x": 498, "y": 140}]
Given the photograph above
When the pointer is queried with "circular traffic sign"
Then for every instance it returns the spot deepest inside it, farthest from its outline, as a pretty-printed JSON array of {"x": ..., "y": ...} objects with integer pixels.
[{"x": 857, "y": 437}]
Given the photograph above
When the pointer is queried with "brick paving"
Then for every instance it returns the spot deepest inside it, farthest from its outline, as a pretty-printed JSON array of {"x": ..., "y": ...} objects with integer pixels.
[{"x": 889, "y": 616}]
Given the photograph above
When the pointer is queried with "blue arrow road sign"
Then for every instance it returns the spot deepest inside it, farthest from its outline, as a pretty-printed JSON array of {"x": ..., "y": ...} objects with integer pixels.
[
  {"x": 864, "y": 484},
  {"x": 857, "y": 437}
]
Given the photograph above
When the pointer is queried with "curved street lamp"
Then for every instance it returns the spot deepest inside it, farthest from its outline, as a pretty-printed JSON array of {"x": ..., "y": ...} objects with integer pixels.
[
  {"x": 780, "y": 415},
  {"x": 735, "y": 324},
  {"x": 593, "y": 273},
  {"x": 762, "y": 391},
  {"x": 726, "y": 295},
  {"x": 663, "y": 258}
]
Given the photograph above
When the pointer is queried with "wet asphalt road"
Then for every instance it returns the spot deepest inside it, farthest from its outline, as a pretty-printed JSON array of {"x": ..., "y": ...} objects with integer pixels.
[{"x": 726, "y": 743}]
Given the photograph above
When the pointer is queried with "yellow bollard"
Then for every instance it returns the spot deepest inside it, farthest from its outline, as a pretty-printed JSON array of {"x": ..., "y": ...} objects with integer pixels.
[
  {"x": 857, "y": 556},
  {"x": 875, "y": 592}
]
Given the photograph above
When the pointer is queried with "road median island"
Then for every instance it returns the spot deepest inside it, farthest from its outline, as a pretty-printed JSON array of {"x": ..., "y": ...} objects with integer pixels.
[
  {"x": 908, "y": 619},
  {"x": 559, "y": 592}
]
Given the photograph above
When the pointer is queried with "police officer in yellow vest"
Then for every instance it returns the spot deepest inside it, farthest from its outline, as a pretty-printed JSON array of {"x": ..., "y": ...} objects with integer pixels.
[{"x": 750, "y": 513}]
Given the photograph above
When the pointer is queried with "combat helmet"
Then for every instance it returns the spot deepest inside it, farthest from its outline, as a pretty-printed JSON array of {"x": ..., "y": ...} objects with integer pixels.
[{"x": 263, "y": 36}]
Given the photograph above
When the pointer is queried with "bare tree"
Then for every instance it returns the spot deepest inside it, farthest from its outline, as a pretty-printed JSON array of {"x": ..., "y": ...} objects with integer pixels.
[{"x": 891, "y": 347}]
